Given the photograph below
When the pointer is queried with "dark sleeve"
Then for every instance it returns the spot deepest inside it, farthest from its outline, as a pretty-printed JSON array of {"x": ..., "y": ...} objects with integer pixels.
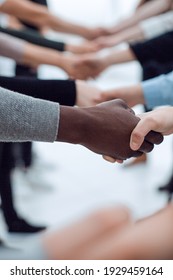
[
  {"x": 41, "y": 2},
  {"x": 34, "y": 37},
  {"x": 60, "y": 91},
  {"x": 159, "y": 49}
]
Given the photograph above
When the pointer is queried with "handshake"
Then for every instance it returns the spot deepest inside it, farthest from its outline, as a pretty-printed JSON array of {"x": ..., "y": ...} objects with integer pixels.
[{"x": 106, "y": 129}]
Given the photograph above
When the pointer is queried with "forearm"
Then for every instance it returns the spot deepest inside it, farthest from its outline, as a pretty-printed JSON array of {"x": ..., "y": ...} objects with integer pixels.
[
  {"x": 152, "y": 8},
  {"x": 59, "y": 91},
  {"x": 149, "y": 9},
  {"x": 27, "y": 11},
  {"x": 134, "y": 33},
  {"x": 135, "y": 93},
  {"x": 35, "y": 56},
  {"x": 148, "y": 239},
  {"x": 158, "y": 25},
  {"x": 34, "y": 38},
  {"x": 41, "y": 17},
  {"x": 61, "y": 25},
  {"x": 29, "y": 54},
  {"x": 141, "y": 3},
  {"x": 118, "y": 57},
  {"x": 75, "y": 240},
  {"x": 24, "y": 118},
  {"x": 132, "y": 95}
]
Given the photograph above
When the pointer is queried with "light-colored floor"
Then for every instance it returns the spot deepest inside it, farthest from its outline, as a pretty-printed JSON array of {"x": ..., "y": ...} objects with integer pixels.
[{"x": 79, "y": 180}]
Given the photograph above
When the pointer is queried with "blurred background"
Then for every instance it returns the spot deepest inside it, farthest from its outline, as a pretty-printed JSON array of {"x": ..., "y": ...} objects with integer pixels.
[{"x": 68, "y": 181}]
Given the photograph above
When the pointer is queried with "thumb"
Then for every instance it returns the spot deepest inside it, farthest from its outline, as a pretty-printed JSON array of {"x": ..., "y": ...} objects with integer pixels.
[{"x": 139, "y": 133}]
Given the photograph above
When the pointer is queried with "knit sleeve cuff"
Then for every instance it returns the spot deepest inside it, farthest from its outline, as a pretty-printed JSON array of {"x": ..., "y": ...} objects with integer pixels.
[{"x": 24, "y": 118}]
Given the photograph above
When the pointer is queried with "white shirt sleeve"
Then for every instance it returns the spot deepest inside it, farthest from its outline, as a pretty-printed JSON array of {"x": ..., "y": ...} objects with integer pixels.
[
  {"x": 12, "y": 47},
  {"x": 158, "y": 25}
]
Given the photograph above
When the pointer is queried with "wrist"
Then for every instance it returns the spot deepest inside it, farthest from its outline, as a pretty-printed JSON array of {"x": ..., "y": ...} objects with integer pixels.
[
  {"x": 84, "y": 32},
  {"x": 137, "y": 94},
  {"x": 61, "y": 60},
  {"x": 106, "y": 61},
  {"x": 72, "y": 125},
  {"x": 70, "y": 48}
]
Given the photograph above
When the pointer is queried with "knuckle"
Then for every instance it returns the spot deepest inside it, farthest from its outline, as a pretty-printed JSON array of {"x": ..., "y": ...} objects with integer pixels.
[
  {"x": 150, "y": 148},
  {"x": 151, "y": 120},
  {"x": 158, "y": 138},
  {"x": 137, "y": 135},
  {"x": 147, "y": 147},
  {"x": 124, "y": 213},
  {"x": 104, "y": 217},
  {"x": 121, "y": 102}
]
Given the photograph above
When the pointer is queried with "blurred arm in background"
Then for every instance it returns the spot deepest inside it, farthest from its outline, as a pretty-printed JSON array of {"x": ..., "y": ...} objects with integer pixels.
[
  {"x": 39, "y": 16},
  {"x": 147, "y": 10},
  {"x": 34, "y": 55},
  {"x": 158, "y": 49},
  {"x": 144, "y": 30}
]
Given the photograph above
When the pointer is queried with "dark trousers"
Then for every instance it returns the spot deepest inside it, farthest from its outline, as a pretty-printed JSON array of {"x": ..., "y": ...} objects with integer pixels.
[
  {"x": 6, "y": 165},
  {"x": 24, "y": 71},
  {"x": 7, "y": 155}
]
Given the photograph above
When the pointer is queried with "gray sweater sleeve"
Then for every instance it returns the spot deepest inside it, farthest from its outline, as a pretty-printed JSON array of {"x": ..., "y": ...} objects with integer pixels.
[{"x": 24, "y": 118}]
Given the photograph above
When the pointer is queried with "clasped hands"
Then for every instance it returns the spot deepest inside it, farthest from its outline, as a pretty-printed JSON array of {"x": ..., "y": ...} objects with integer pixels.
[
  {"x": 148, "y": 131},
  {"x": 105, "y": 129},
  {"x": 120, "y": 136}
]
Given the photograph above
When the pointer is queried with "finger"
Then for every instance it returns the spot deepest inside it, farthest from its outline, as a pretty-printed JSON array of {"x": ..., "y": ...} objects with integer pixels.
[
  {"x": 154, "y": 137},
  {"x": 124, "y": 105},
  {"x": 130, "y": 110},
  {"x": 137, "y": 154},
  {"x": 139, "y": 133},
  {"x": 119, "y": 161},
  {"x": 131, "y": 153},
  {"x": 146, "y": 147},
  {"x": 112, "y": 160},
  {"x": 109, "y": 159}
]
